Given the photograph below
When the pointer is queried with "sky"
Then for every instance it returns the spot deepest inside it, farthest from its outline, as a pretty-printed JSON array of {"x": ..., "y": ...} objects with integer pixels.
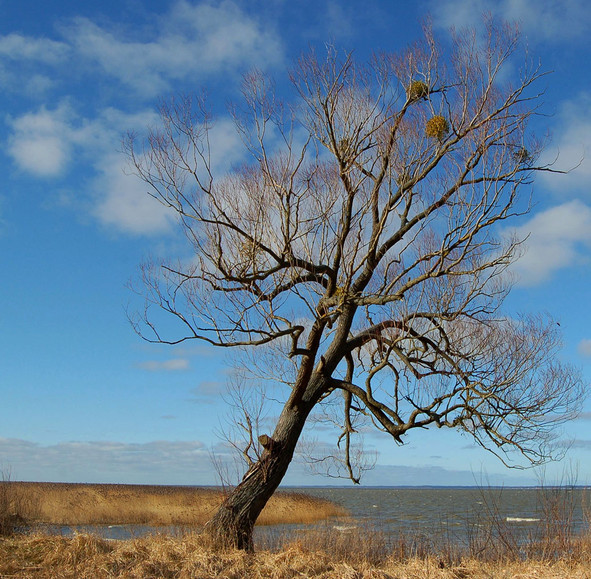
[{"x": 82, "y": 397}]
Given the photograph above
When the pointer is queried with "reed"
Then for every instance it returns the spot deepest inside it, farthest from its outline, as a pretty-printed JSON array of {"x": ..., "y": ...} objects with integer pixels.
[
  {"x": 98, "y": 504},
  {"x": 85, "y": 556}
]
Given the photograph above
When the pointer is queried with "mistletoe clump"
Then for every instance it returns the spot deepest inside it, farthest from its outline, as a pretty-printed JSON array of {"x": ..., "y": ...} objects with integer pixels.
[
  {"x": 437, "y": 127},
  {"x": 417, "y": 90}
]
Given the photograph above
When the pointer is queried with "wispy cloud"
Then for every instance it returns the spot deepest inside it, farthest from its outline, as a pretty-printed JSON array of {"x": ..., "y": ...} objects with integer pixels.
[
  {"x": 161, "y": 462},
  {"x": 190, "y": 41},
  {"x": 18, "y": 47},
  {"x": 207, "y": 392},
  {"x": 543, "y": 20},
  {"x": 559, "y": 237},
  {"x": 580, "y": 444},
  {"x": 173, "y": 365},
  {"x": 585, "y": 350},
  {"x": 571, "y": 147},
  {"x": 429, "y": 475}
]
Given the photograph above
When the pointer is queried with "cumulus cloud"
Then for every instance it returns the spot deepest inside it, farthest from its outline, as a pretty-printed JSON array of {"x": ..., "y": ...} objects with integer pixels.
[
  {"x": 542, "y": 20},
  {"x": 41, "y": 141},
  {"x": 559, "y": 237},
  {"x": 48, "y": 143},
  {"x": 173, "y": 365},
  {"x": 164, "y": 462},
  {"x": 121, "y": 199}
]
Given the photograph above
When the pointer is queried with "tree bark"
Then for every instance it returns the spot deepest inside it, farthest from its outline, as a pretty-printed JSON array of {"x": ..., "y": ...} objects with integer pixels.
[{"x": 233, "y": 523}]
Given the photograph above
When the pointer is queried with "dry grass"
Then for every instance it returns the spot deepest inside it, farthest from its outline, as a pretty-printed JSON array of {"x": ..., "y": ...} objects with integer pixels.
[
  {"x": 86, "y": 556},
  {"x": 94, "y": 504}
]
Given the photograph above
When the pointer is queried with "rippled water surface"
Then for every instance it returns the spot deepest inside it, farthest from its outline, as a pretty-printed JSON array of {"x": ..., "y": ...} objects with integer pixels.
[{"x": 457, "y": 513}]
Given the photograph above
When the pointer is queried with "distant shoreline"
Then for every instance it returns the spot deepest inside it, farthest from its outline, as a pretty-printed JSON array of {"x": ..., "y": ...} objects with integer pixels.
[{"x": 298, "y": 488}]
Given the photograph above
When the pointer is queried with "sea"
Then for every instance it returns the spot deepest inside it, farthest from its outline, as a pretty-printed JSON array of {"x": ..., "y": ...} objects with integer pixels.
[
  {"x": 446, "y": 515},
  {"x": 457, "y": 515}
]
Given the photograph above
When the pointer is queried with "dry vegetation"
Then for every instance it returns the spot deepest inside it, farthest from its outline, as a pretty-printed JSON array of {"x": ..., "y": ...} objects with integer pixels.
[
  {"x": 189, "y": 556},
  {"x": 96, "y": 504}
]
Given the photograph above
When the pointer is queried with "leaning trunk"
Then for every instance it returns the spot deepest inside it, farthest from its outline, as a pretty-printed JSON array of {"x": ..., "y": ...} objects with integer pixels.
[{"x": 234, "y": 521}]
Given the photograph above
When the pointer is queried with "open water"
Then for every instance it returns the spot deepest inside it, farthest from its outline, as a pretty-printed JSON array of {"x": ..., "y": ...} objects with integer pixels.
[{"x": 456, "y": 514}]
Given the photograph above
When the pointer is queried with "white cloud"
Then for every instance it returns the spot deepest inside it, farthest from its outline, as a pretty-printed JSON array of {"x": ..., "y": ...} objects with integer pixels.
[
  {"x": 585, "y": 350},
  {"x": 571, "y": 147},
  {"x": 173, "y": 365},
  {"x": 121, "y": 201},
  {"x": 187, "y": 43},
  {"x": 47, "y": 143},
  {"x": 542, "y": 20},
  {"x": 41, "y": 141},
  {"x": 557, "y": 238},
  {"x": 18, "y": 47},
  {"x": 192, "y": 41}
]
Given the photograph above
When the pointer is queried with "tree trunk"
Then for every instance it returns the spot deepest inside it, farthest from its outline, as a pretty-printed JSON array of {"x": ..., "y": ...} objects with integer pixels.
[{"x": 233, "y": 523}]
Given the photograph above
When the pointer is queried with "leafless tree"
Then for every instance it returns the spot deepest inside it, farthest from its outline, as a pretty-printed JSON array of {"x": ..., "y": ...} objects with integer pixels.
[{"x": 363, "y": 243}]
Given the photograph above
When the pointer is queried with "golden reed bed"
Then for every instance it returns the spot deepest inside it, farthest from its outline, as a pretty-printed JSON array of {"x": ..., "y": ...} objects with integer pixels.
[
  {"x": 184, "y": 557},
  {"x": 105, "y": 504}
]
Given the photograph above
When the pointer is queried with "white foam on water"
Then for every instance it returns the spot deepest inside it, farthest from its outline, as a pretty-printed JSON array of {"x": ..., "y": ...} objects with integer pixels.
[
  {"x": 343, "y": 528},
  {"x": 522, "y": 520}
]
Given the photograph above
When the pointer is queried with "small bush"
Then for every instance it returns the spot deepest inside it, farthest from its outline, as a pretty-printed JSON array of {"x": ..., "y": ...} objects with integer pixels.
[{"x": 437, "y": 127}]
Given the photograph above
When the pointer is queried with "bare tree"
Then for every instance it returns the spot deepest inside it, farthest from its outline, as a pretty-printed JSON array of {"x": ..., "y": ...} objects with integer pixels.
[{"x": 363, "y": 244}]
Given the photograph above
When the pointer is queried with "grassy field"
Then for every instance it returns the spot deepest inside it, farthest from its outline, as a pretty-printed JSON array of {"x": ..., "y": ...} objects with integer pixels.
[{"x": 98, "y": 504}]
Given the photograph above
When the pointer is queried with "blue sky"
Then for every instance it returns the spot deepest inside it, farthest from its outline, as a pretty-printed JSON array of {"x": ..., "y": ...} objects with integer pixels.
[{"x": 82, "y": 398}]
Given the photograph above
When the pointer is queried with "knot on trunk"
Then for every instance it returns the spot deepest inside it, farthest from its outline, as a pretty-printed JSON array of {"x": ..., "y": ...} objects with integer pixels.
[{"x": 267, "y": 442}]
